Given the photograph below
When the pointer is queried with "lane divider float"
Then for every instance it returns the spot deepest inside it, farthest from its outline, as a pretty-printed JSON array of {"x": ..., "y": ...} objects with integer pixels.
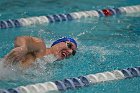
[
  {"x": 68, "y": 17},
  {"x": 76, "y": 82}
]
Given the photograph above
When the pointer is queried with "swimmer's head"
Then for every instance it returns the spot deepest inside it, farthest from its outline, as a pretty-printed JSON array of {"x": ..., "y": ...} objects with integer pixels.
[
  {"x": 64, "y": 47},
  {"x": 64, "y": 39}
]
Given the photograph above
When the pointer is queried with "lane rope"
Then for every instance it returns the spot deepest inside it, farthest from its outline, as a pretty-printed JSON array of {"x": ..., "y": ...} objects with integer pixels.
[
  {"x": 76, "y": 82},
  {"x": 68, "y": 17}
]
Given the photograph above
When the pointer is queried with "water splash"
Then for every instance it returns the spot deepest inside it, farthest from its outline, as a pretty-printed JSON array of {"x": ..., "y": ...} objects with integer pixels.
[
  {"x": 7, "y": 72},
  {"x": 32, "y": 74}
]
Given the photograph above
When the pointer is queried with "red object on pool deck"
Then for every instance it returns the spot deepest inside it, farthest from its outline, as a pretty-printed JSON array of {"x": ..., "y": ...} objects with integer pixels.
[{"x": 107, "y": 12}]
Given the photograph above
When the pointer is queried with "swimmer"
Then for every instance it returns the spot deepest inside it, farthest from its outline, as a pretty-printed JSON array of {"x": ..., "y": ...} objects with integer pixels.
[{"x": 28, "y": 49}]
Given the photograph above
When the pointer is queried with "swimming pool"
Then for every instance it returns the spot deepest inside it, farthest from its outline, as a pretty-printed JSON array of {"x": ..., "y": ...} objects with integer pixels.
[{"x": 105, "y": 44}]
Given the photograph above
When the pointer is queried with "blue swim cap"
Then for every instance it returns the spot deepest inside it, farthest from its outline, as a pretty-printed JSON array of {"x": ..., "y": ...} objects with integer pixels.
[{"x": 64, "y": 39}]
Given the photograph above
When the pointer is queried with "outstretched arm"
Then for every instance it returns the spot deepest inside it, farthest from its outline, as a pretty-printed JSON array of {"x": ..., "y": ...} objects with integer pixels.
[{"x": 25, "y": 45}]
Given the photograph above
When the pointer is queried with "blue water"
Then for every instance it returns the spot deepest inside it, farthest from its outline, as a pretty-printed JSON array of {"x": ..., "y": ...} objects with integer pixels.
[{"x": 105, "y": 44}]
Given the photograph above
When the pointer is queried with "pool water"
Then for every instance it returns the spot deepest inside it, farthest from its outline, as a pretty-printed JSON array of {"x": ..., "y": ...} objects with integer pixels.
[{"x": 104, "y": 44}]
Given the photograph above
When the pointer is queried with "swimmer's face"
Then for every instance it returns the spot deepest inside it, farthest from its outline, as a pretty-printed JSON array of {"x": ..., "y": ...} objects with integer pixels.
[{"x": 65, "y": 50}]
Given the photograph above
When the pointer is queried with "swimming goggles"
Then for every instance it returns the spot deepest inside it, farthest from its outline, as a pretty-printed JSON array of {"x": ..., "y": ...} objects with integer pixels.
[{"x": 69, "y": 45}]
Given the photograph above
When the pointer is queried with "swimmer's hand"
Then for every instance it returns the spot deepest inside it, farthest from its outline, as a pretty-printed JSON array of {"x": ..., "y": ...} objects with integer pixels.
[{"x": 16, "y": 55}]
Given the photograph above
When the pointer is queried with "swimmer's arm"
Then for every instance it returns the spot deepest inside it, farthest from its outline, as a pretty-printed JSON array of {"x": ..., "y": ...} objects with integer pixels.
[
  {"x": 25, "y": 45},
  {"x": 21, "y": 42},
  {"x": 31, "y": 44}
]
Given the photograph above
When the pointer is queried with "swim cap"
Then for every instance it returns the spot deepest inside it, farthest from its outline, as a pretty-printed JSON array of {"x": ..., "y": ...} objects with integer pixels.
[{"x": 64, "y": 39}]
